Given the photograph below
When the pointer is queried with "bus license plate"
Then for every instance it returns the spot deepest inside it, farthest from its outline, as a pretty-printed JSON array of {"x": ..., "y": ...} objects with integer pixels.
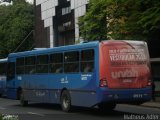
[{"x": 137, "y": 96}]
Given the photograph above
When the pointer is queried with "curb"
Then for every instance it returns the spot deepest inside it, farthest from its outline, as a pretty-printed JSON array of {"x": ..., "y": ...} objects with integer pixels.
[{"x": 151, "y": 105}]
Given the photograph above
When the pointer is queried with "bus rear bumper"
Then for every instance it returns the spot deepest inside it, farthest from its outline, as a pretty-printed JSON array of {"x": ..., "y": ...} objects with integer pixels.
[{"x": 126, "y": 95}]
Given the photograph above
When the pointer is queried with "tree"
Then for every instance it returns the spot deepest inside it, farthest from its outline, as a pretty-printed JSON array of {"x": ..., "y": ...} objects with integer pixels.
[
  {"x": 94, "y": 24},
  {"x": 141, "y": 19},
  {"x": 15, "y": 24},
  {"x": 121, "y": 19}
]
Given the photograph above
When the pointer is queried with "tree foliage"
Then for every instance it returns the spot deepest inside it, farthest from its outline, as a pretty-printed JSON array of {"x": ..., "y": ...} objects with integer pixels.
[
  {"x": 121, "y": 19},
  {"x": 16, "y": 22},
  {"x": 91, "y": 24}
]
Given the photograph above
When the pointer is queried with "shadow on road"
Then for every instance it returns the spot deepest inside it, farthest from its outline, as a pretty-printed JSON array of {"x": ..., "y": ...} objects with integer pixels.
[
  {"x": 78, "y": 110},
  {"x": 37, "y": 111}
]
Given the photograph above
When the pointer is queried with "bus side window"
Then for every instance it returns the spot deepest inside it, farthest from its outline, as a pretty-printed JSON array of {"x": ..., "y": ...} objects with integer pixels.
[
  {"x": 71, "y": 62},
  {"x": 11, "y": 71},
  {"x": 42, "y": 64},
  {"x": 30, "y": 65},
  {"x": 56, "y": 63},
  {"x": 87, "y": 60},
  {"x": 20, "y": 65}
]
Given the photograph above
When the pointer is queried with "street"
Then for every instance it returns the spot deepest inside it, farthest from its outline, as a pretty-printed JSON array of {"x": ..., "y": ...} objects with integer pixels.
[{"x": 52, "y": 111}]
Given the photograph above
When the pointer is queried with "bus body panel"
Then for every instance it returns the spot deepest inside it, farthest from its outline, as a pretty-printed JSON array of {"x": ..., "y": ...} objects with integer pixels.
[
  {"x": 12, "y": 88},
  {"x": 2, "y": 84},
  {"x": 48, "y": 87}
]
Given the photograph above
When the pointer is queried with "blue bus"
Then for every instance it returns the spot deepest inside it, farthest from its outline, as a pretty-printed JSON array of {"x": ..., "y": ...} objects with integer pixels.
[
  {"x": 89, "y": 74},
  {"x": 3, "y": 74}
]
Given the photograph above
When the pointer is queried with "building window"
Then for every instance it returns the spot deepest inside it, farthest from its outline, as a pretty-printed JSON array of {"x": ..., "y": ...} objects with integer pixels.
[
  {"x": 71, "y": 62},
  {"x": 67, "y": 24},
  {"x": 87, "y": 60},
  {"x": 66, "y": 10}
]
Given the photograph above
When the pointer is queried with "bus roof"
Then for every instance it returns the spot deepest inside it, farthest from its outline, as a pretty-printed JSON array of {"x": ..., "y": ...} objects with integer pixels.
[
  {"x": 135, "y": 42},
  {"x": 69, "y": 47},
  {"x": 55, "y": 49},
  {"x": 3, "y": 60}
]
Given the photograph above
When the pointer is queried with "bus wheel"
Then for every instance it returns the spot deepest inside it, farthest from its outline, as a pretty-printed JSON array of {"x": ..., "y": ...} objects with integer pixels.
[
  {"x": 65, "y": 101},
  {"x": 22, "y": 101},
  {"x": 106, "y": 106}
]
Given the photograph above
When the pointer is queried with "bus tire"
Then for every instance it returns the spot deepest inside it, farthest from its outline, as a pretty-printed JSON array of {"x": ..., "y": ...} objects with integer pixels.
[
  {"x": 106, "y": 106},
  {"x": 22, "y": 101},
  {"x": 65, "y": 101}
]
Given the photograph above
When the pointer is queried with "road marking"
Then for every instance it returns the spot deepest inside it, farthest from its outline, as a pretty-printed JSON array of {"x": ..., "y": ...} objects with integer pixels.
[{"x": 36, "y": 114}]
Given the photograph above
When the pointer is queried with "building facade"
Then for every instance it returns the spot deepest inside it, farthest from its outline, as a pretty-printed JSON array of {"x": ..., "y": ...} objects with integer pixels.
[{"x": 56, "y": 21}]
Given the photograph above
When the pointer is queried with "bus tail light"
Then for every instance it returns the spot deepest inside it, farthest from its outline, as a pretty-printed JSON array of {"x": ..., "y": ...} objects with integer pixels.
[{"x": 103, "y": 83}]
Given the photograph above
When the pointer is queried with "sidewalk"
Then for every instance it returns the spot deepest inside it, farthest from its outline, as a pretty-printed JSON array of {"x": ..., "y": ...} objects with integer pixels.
[{"x": 152, "y": 104}]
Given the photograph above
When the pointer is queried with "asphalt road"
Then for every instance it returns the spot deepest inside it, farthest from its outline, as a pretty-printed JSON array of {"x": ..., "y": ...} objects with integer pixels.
[{"x": 54, "y": 112}]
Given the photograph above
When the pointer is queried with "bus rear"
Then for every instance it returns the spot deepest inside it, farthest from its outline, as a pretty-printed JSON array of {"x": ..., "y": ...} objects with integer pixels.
[{"x": 125, "y": 71}]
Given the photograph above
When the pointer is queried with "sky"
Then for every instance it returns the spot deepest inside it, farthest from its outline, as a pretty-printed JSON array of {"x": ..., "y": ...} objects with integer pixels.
[
  {"x": 31, "y": 1},
  {"x": 6, "y": 3}
]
